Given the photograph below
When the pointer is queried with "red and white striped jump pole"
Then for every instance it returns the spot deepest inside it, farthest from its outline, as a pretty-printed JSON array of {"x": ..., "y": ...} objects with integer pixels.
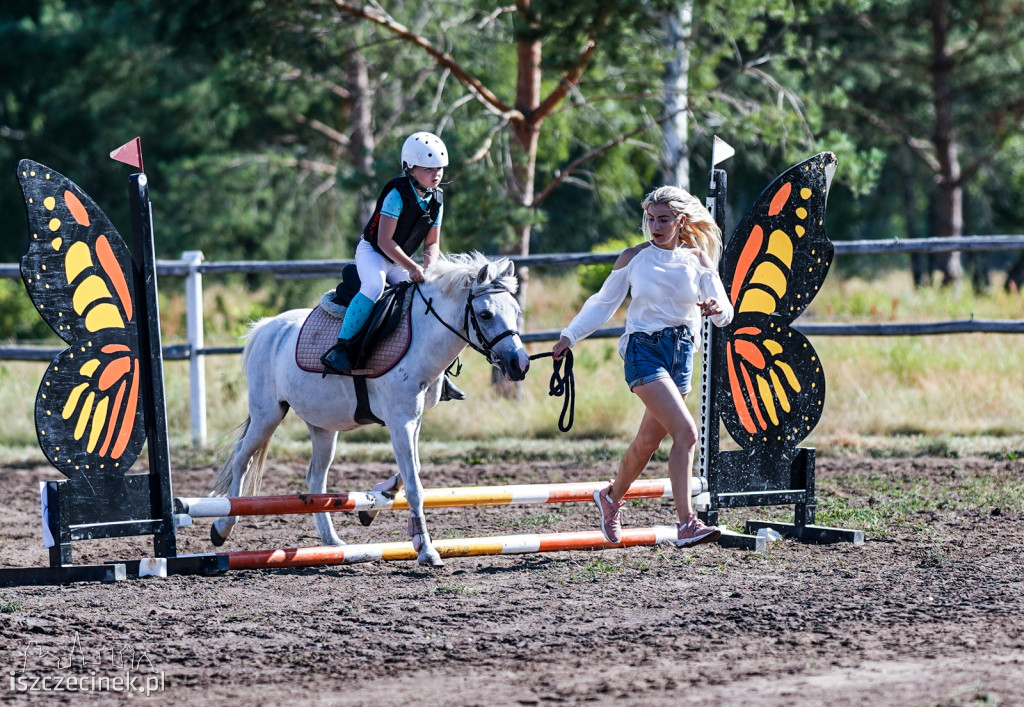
[
  {"x": 216, "y": 507},
  {"x": 462, "y": 547}
]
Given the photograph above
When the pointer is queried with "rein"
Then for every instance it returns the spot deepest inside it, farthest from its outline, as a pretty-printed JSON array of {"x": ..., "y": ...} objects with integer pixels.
[
  {"x": 559, "y": 385},
  {"x": 486, "y": 348}
]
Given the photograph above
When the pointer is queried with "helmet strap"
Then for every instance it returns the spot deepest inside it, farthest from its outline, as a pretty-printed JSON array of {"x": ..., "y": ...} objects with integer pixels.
[{"x": 416, "y": 185}]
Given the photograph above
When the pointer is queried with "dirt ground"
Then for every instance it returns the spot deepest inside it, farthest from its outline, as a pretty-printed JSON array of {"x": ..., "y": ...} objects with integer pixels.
[{"x": 931, "y": 614}]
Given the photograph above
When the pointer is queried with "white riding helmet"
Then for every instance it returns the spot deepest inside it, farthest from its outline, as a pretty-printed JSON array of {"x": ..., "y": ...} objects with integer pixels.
[{"x": 424, "y": 149}]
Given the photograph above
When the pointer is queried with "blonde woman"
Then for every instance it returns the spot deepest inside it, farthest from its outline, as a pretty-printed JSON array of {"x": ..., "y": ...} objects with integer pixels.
[{"x": 674, "y": 281}]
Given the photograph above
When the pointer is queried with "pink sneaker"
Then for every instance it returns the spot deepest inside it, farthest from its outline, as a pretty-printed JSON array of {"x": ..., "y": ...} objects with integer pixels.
[
  {"x": 694, "y": 532},
  {"x": 611, "y": 515}
]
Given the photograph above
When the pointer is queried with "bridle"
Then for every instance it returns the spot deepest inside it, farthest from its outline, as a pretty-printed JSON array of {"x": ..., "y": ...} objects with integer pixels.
[
  {"x": 560, "y": 384},
  {"x": 470, "y": 322}
]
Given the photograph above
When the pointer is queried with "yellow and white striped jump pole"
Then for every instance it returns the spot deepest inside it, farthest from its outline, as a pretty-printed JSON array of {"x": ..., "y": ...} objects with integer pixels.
[
  {"x": 461, "y": 547},
  {"x": 432, "y": 498}
]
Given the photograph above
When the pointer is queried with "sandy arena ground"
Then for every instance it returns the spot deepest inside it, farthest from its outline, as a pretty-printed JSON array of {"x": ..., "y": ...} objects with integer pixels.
[{"x": 933, "y": 614}]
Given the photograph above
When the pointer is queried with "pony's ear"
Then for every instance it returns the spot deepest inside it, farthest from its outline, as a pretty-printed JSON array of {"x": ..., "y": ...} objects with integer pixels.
[
  {"x": 481, "y": 277},
  {"x": 510, "y": 270}
]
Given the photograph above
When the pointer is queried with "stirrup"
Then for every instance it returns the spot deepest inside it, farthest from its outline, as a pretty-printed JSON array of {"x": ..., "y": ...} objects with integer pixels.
[
  {"x": 336, "y": 359},
  {"x": 449, "y": 391}
]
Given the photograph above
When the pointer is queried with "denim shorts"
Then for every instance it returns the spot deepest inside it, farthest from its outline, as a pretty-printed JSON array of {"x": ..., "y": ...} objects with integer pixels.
[{"x": 664, "y": 354}]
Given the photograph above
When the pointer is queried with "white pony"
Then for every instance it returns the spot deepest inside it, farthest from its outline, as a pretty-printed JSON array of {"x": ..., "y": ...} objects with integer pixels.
[{"x": 467, "y": 299}]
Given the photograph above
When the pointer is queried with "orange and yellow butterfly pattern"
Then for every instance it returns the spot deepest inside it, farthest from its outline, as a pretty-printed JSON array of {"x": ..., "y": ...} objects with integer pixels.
[
  {"x": 772, "y": 267},
  {"x": 78, "y": 274}
]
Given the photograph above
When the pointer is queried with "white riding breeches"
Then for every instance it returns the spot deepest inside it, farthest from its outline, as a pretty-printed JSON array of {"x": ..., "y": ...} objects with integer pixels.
[{"x": 376, "y": 271}]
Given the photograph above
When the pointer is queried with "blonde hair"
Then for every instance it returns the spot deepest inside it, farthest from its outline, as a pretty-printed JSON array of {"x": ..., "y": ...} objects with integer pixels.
[{"x": 699, "y": 229}]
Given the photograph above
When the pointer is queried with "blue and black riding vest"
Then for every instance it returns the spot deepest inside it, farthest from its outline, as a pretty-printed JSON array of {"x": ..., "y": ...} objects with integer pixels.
[{"x": 413, "y": 222}]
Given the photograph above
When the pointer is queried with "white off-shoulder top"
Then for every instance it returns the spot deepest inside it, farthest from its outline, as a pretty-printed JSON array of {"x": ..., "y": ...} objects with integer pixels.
[{"x": 666, "y": 286}]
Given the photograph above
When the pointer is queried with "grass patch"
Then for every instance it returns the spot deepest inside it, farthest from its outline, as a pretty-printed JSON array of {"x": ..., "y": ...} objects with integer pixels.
[
  {"x": 877, "y": 503},
  {"x": 887, "y": 396},
  {"x": 597, "y": 568},
  {"x": 540, "y": 519},
  {"x": 881, "y": 505}
]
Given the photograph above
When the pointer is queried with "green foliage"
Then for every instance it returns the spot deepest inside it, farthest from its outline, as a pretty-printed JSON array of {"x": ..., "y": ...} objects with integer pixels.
[
  {"x": 264, "y": 209},
  {"x": 18, "y": 317},
  {"x": 249, "y": 113},
  {"x": 591, "y": 277},
  {"x": 880, "y": 83},
  {"x": 229, "y": 107}
]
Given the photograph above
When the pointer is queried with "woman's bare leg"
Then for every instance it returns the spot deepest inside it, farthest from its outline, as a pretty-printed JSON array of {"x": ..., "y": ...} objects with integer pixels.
[
  {"x": 667, "y": 413},
  {"x": 641, "y": 449}
]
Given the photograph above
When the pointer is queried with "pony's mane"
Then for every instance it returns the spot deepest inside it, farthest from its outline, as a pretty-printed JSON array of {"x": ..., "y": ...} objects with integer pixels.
[{"x": 454, "y": 272}]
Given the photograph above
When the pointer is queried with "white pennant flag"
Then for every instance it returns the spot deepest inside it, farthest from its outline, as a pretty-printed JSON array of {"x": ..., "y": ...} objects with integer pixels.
[{"x": 720, "y": 151}]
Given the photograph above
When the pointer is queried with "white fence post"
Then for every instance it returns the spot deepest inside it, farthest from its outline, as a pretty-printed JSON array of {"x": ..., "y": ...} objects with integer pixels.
[{"x": 196, "y": 361}]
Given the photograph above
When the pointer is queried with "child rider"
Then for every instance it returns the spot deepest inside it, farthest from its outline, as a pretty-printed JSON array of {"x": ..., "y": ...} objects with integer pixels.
[{"x": 408, "y": 214}]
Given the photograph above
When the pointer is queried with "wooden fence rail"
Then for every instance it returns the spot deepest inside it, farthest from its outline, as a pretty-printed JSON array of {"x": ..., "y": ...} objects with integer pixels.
[
  {"x": 332, "y": 268},
  {"x": 192, "y": 267}
]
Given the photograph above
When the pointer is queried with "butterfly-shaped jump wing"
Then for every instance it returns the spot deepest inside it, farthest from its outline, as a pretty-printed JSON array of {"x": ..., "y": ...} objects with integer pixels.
[
  {"x": 772, "y": 267},
  {"x": 78, "y": 274}
]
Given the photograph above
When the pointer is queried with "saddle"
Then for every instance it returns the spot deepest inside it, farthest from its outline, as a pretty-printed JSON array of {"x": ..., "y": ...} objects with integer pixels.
[{"x": 381, "y": 344}]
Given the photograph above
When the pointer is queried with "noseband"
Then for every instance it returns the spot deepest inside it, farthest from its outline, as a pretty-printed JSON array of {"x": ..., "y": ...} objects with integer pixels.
[{"x": 469, "y": 319}]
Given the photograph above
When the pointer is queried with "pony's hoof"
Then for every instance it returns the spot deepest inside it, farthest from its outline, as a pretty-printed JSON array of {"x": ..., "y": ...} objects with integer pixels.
[
  {"x": 334, "y": 542},
  {"x": 216, "y": 538},
  {"x": 430, "y": 558},
  {"x": 388, "y": 487}
]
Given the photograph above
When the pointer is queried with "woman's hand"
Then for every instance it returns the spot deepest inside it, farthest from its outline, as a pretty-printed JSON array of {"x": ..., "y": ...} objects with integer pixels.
[
  {"x": 560, "y": 348},
  {"x": 709, "y": 307}
]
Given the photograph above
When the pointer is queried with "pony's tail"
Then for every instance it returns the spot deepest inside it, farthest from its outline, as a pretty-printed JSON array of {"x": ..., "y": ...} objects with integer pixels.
[
  {"x": 253, "y": 472},
  {"x": 250, "y": 339},
  {"x": 252, "y": 477}
]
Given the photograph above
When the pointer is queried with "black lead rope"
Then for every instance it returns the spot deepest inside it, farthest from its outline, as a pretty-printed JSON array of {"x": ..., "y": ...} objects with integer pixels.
[{"x": 562, "y": 385}]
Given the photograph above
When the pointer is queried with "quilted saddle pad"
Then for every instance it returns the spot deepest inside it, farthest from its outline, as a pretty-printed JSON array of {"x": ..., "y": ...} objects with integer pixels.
[{"x": 320, "y": 332}]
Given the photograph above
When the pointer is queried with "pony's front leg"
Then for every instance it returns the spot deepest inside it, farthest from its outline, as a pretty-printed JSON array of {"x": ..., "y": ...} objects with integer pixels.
[
  {"x": 405, "y": 442},
  {"x": 325, "y": 442}
]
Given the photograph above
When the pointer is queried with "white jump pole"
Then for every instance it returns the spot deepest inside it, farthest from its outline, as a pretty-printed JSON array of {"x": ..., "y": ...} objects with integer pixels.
[
  {"x": 459, "y": 547},
  {"x": 216, "y": 507}
]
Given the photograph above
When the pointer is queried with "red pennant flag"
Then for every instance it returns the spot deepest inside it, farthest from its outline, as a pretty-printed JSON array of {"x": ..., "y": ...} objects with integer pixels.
[{"x": 130, "y": 153}]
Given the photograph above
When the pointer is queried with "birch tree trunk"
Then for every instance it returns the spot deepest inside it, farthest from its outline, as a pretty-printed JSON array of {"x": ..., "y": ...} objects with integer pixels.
[{"x": 675, "y": 151}]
